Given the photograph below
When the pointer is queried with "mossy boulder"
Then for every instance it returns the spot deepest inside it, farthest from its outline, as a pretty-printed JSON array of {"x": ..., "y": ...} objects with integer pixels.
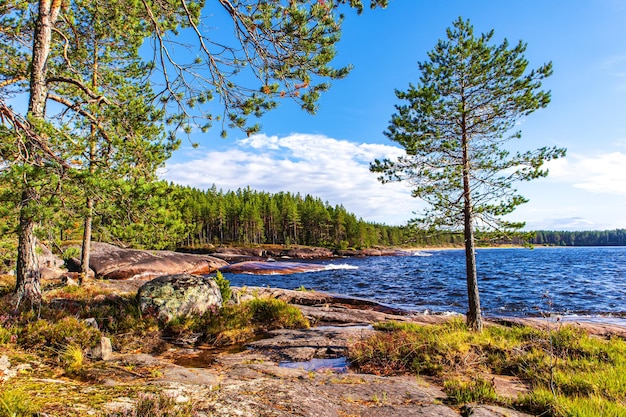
[{"x": 171, "y": 296}]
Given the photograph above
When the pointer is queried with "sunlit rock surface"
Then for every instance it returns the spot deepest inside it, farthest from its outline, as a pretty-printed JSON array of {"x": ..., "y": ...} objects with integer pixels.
[
  {"x": 112, "y": 262},
  {"x": 269, "y": 268}
]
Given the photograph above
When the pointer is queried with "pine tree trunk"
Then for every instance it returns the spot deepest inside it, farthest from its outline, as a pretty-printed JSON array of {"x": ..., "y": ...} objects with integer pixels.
[
  {"x": 474, "y": 315},
  {"x": 88, "y": 221},
  {"x": 27, "y": 284},
  {"x": 27, "y": 287},
  {"x": 86, "y": 247}
]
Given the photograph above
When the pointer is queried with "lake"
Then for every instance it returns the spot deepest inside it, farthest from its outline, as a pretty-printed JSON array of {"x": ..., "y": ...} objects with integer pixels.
[{"x": 571, "y": 281}]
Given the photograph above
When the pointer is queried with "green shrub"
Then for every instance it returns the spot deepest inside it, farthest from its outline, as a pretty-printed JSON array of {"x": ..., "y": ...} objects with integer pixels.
[
  {"x": 224, "y": 286},
  {"x": 272, "y": 313},
  {"x": 478, "y": 390},
  {"x": 71, "y": 252},
  {"x": 237, "y": 323},
  {"x": 43, "y": 334}
]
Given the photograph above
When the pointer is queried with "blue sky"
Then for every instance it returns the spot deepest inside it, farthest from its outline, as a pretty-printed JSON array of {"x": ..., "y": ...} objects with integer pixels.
[{"x": 328, "y": 154}]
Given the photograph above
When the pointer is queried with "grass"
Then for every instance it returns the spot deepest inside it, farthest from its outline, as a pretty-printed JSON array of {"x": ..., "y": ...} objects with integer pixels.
[
  {"x": 52, "y": 344},
  {"x": 477, "y": 390},
  {"x": 16, "y": 403},
  {"x": 238, "y": 323},
  {"x": 7, "y": 284},
  {"x": 568, "y": 373},
  {"x": 72, "y": 358}
]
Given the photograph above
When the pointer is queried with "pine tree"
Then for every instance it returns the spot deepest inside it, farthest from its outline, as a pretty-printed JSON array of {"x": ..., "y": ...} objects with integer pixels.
[
  {"x": 470, "y": 96},
  {"x": 284, "y": 46}
]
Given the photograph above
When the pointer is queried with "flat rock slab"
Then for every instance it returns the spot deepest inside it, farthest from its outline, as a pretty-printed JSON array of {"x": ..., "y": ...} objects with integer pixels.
[
  {"x": 317, "y": 342},
  {"x": 263, "y": 389},
  {"x": 271, "y": 268},
  {"x": 112, "y": 262},
  {"x": 253, "y": 383},
  {"x": 316, "y": 298}
]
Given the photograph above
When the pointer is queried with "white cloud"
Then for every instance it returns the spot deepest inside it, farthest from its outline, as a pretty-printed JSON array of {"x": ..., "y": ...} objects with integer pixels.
[
  {"x": 602, "y": 173},
  {"x": 334, "y": 170},
  {"x": 582, "y": 191},
  {"x": 566, "y": 223}
]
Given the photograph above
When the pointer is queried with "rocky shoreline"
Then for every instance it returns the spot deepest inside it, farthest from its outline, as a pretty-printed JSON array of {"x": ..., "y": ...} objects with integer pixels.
[
  {"x": 286, "y": 372},
  {"x": 289, "y": 372},
  {"x": 112, "y": 262},
  {"x": 299, "y": 372}
]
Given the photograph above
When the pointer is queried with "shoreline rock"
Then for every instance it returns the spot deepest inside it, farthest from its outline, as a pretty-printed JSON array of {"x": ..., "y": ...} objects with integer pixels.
[
  {"x": 112, "y": 262},
  {"x": 263, "y": 252}
]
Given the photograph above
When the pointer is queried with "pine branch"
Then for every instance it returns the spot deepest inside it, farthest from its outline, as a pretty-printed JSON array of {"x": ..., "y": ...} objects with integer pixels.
[{"x": 24, "y": 130}]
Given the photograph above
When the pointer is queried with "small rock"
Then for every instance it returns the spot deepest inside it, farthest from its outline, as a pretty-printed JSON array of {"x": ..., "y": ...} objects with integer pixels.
[
  {"x": 68, "y": 281},
  {"x": 23, "y": 368},
  {"x": 102, "y": 351},
  {"x": 5, "y": 369},
  {"x": 120, "y": 405},
  {"x": 91, "y": 321}
]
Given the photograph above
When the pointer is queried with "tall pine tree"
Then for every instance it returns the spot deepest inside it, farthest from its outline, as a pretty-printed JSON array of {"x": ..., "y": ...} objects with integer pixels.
[{"x": 470, "y": 96}]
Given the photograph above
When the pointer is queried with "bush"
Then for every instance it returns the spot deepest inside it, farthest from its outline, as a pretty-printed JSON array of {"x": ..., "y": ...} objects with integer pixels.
[
  {"x": 237, "y": 323},
  {"x": 58, "y": 335},
  {"x": 272, "y": 313},
  {"x": 71, "y": 252},
  {"x": 224, "y": 286}
]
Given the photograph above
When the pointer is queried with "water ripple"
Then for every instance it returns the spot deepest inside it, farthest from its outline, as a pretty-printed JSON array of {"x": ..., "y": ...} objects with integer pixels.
[{"x": 519, "y": 282}]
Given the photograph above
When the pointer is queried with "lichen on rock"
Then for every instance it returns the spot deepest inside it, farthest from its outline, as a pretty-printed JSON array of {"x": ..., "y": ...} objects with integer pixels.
[{"x": 171, "y": 296}]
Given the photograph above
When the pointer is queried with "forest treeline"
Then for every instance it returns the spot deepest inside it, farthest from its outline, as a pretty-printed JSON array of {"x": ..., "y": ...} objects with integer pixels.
[
  {"x": 167, "y": 216},
  {"x": 615, "y": 237},
  {"x": 161, "y": 215},
  {"x": 249, "y": 217}
]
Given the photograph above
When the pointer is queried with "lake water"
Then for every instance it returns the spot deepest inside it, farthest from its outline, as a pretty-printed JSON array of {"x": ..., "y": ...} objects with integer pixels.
[{"x": 588, "y": 281}]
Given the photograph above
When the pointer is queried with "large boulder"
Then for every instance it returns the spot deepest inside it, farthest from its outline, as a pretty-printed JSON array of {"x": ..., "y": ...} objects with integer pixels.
[
  {"x": 112, "y": 262},
  {"x": 178, "y": 295}
]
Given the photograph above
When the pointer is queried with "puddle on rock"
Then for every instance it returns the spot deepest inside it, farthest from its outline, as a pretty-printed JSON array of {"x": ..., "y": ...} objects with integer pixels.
[
  {"x": 339, "y": 365},
  {"x": 200, "y": 357}
]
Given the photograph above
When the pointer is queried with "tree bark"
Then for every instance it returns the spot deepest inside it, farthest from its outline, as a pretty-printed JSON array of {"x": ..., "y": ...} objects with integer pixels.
[
  {"x": 28, "y": 276},
  {"x": 27, "y": 286},
  {"x": 88, "y": 221},
  {"x": 474, "y": 314},
  {"x": 86, "y": 247}
]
